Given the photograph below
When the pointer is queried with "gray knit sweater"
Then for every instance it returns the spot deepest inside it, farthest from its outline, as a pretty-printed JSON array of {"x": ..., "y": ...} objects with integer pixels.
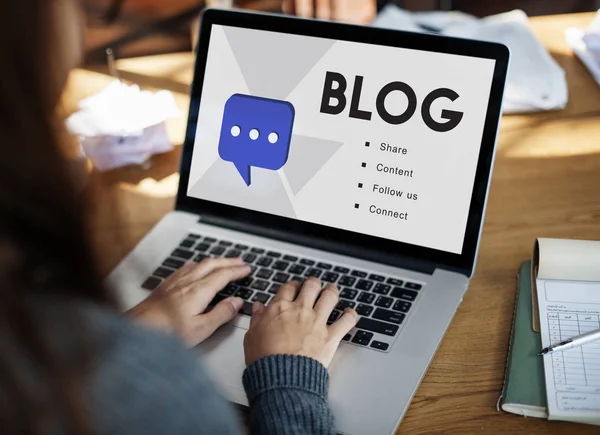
[{"x": 145, "y": 383}]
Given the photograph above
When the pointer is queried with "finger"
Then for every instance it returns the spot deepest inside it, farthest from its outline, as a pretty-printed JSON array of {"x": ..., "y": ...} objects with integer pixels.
[
  {"x": 304, "y": 8},
  {"x": 200, "y": 293},
  {"x": 287, "y": 292},
  {"x": 208, "y": 266},
  {"x": 327, "y": 302},
  {"x": 182, "y": 271},
  {"x": 257, "y": 311},
  {"x": 288, "y": 6},
  {"x": 343, "y": 325},
  {"x": 309, "y": 292},
  {"x": 222, "y": 313},
  {"x": 323, "y": 11}
]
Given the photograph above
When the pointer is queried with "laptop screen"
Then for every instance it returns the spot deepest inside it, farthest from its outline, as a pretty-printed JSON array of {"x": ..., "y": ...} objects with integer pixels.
[{"x": 377, "y": 140}]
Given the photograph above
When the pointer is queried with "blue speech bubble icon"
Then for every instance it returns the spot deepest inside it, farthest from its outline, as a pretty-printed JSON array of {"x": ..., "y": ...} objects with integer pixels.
[{"x": 256, "y": 132}]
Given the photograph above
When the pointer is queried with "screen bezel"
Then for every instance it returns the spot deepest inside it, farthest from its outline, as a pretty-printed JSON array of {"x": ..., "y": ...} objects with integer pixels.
[{"x": 369, "y": 35}]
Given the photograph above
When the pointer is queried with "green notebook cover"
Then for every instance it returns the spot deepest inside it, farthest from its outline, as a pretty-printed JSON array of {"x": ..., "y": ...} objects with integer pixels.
[{"x": 524, "y": 390}]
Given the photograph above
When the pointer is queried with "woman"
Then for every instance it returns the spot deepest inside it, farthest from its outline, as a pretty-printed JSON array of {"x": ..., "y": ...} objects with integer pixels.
[{"x": 69, "y": 361}]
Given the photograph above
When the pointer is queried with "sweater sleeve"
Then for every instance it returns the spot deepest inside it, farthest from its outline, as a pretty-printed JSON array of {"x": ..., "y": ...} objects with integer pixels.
[{"x": 288, "y": 396}]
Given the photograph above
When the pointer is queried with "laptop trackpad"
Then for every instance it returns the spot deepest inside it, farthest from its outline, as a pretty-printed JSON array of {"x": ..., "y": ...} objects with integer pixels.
[{"x": 223, "y": 355}]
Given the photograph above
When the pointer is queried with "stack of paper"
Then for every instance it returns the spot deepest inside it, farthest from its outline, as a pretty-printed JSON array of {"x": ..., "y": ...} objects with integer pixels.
[
  {"x": 586, "y": 45},
  {"x": 535, "y": 80},
  {"x": 122, "y": 125}
]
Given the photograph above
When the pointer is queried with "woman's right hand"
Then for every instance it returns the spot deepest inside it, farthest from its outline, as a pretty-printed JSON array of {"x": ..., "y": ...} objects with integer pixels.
[{"x": 295, "y": 323}]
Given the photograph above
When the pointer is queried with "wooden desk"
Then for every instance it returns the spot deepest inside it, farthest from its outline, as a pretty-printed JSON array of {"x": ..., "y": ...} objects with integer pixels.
[{"x": 545, "y": 183}]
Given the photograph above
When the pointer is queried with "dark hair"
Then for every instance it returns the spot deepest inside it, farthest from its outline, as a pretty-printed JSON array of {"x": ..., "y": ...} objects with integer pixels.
[{"x": 44, "y": 248}]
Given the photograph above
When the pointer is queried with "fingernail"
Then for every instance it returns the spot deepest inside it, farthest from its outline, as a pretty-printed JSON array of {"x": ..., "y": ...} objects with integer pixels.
[{"x": 237, "y": 303}]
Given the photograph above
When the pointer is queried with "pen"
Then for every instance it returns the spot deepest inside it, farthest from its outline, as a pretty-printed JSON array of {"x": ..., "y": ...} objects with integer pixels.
[
  {"x": 580, "y": 340},
  {"x": 112, "y": 68}
]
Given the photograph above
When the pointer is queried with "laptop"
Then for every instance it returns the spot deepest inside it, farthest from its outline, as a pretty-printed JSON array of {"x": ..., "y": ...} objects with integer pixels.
[{"x": 358, "y": 155}]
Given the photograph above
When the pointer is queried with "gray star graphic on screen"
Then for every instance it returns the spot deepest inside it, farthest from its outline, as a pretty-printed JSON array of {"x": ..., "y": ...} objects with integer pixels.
[
  {"x": 280, "y": 64},
  {"x": 266, "y": 193},
  {"x": 307, "y": 156}
]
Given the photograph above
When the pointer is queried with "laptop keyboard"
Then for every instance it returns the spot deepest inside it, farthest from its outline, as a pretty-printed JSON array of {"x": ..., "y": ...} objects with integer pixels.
[{"x": 381, "y": 301}]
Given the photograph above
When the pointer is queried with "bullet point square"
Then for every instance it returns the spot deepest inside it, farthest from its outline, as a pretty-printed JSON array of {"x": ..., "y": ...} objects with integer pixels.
[
  {"x": 360, "y": 185},
  {"x": 364, "y": 165},
  {"x": 367, "y": 144},
  {"x": 356, "y": 205}
]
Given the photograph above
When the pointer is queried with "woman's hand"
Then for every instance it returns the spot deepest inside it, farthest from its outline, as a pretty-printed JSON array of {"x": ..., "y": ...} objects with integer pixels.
[
  {"x": 178, "y": 305},
  {"x": 351, "y": 11},
  {"x": 295, "y": 323}
]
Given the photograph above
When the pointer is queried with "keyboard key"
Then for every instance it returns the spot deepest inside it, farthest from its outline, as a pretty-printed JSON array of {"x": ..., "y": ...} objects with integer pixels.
[
  {"x": 248, "y": 258},
  {"x": 376, "y": 277},
  {"x": 413, "y": 285},
  {"x": 281, "y": 277},
  {"x": 307, "y": 262},
  {"x": 367, "y": 298},
  {"x": 359, "y": 273},
  {"x": 347, "y": 293},
  {"x": 217, "y": 250},
  {"x": 363, "y": 284},
  {"x": 341, "y": 269},
  {"x": 173, "y": 263},
  {"x": 151, "y": 283},
  {"x": 380, "y": 345},
  {"x": 394, "y": 281},
  {"x": 259, "y": 284},
  {"x": 182, "y": 253},
  {"x": 198, "y": 258},
  {"x": 297, "y": 278},
  {"x": 202, "y": 247},
  {"x": 209, "y": 240},
  {"x": 400, "y": 293},
  {"x": 384, "y": 302},
  {"x": 364, "y": 310},
  {"x": 257, "y": 250},
  {"x": 163, "y": 272},
  {"x": 273, "y": 254},
  {"x": 329, "y": 277},
  {"x": 225, "y": 243},
  {"x": 377, "y": 326},
  {"x": 401, "y": 306},
  {"x": 334, "y": 316},
  {"x": 230, "y": 290},
  {"x": 244, "y": 293},
  {"x": 241, "y": 247},
  {"x": 280, "y": 265},
  {"x": 362, "y": 337},
  {"x": 261, "y": 297},
  {"x": 290, "y": 258},
  {"x": 246, "y": 309},
  {"x": 326, "y": 266},
  {"x": 274, "y": 288},
  {"x": 382, "y": 289},
  {"x": 297, "y": 269},
  {"x": 343, "y": 304},
  {"x": 187, "y": 243},
  {"x": 244, "y": 282},
  {"x": 314, "y": 272},
  {"x": 233, "y": 253},
  {"x": 264, "y": 273},
  {"x": 264, "y": 261},
  {"x": 347, "y": 280},
  {"x": 388, "y": 316},
  {"x": 194, "y": 236},
  {"x": 218, "y": 298},
  {"x": 347, "y": 337}
]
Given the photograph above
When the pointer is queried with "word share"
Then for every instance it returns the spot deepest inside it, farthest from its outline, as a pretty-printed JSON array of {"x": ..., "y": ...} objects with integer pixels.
[{"x": 256, "y": 132}]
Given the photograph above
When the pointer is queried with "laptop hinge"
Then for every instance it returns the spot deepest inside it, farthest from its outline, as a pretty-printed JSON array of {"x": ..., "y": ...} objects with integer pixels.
[{"x": 323, "y": 244}]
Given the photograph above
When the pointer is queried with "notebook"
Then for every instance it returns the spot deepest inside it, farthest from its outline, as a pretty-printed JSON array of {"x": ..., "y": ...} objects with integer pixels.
[
  {"x": 524, "y": 392},
  {"x": 568, "y": 299}
]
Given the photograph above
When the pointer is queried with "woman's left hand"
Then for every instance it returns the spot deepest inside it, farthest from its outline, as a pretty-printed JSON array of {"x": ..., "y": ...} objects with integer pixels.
[{"x": 179, "y": 303}]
